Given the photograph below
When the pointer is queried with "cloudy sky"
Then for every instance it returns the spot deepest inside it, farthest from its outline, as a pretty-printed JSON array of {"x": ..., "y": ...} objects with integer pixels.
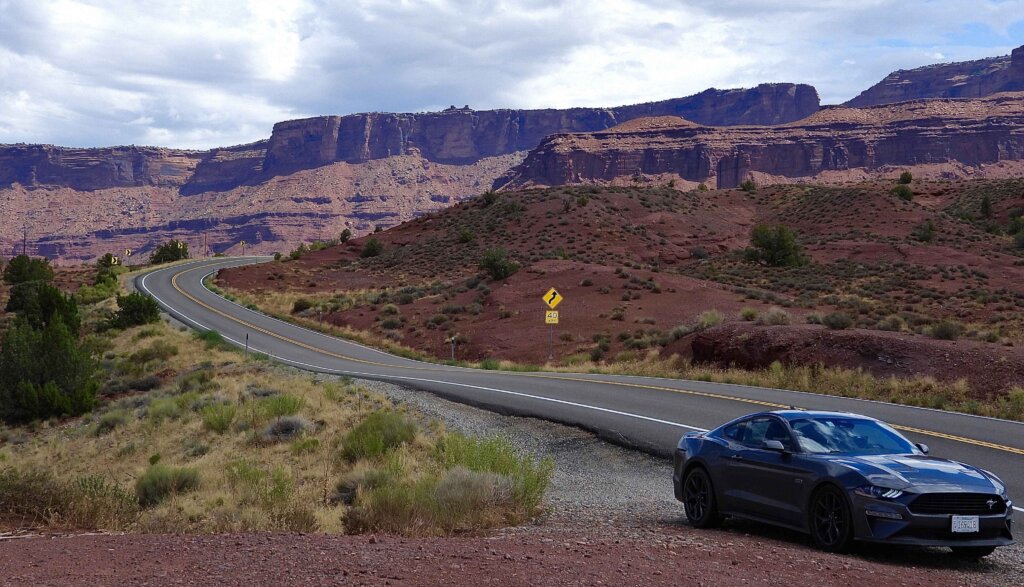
[{"x": 203, "y": 73}]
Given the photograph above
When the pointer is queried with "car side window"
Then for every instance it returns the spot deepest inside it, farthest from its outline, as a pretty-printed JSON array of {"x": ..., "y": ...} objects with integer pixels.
[
  {"x": 761, "y": 429},
  {"x": 735, "y": 432}
]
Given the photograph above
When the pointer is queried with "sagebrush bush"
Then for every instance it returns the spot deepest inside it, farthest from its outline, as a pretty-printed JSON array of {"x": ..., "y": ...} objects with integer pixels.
[
  {"x": 837, "y": 321},
  {"x": 111, "y": 420},
  {"x": 301, "y": 305},
  {"x": 285, "y": 428},
  {"x": 947, "y": 330},
  {"x": 160, "y": 482},
  {"x": 709, "y": 318},
  {"x": 775, "y": 317},
  {"x": 529, "y": 478},
  {"x": 748, "y": 314},
  {"x": 379, "y": 433}
]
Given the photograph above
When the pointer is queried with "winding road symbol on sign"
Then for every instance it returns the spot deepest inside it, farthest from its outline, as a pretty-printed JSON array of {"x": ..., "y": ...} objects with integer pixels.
[{"x": 553, "y": 298}]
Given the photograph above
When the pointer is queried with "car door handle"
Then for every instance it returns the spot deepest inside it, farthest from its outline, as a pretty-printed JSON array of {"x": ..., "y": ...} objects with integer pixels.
[{"x": 735, "y": 458}]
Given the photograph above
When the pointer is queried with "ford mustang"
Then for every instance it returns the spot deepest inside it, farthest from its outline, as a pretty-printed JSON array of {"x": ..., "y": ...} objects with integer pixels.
[{"x": 840, "y": 478}]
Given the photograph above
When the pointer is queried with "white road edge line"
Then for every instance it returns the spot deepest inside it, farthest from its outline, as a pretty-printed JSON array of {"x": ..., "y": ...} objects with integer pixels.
[
  {"x": 422, "y": 380},
  {"x": 1018, "y": 509}
]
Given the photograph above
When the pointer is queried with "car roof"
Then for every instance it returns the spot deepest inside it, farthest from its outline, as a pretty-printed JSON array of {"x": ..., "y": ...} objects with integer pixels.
[{"x": 795, "y": 414}]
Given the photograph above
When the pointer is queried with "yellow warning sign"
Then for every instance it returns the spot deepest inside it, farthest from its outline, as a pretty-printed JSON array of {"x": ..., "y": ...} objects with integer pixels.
[
  {"x": 553, "y": 298},
  {"x": 115, "y": 261},
  {"x": 127, "y": 252},
  {"x": 551, "y": 317}
]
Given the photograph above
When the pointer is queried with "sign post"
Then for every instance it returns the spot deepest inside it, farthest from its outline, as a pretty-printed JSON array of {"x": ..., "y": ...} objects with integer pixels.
[{"x": 552, "y": 299}]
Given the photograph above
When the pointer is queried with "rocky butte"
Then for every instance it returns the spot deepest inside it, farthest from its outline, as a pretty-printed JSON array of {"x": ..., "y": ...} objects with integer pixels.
[
  {"x": 312, "y": 177},
  {"x": 967, "y": 79},
  {"x": 954, "y": 136}
]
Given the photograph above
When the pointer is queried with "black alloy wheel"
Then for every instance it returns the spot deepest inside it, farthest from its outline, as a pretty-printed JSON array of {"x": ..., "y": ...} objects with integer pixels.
[{"x": 831, "y": 523}]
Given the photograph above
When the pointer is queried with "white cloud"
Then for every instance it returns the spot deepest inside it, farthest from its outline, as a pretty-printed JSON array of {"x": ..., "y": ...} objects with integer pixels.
[{"x": 194, "y": 73}]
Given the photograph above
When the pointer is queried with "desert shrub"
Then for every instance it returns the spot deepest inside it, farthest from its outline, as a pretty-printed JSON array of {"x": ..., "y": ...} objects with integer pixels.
[
  {"x": 379, "y": 433},
  {"x": 906, "y": 177},
  {"x": 174, "y": 250},
  {"x": 466, "y": 236},
  {"x": 372, "y": 248},
  {"x": 892, "y": 323},
  {"x": 285, "y": 428},
  {"x": 44, "y": 372},
  {"x": 22, "y": 269},
  {"x": 947, "y": 330},
  {"x": 813, "y": 318},
  {"x": 160, "y": 482},
  {"x": 218, "y": 417},
  {"x": 213, "y": 340},
  {"x": 391, "y": 323},
  {"x": 709, "y": 318},
  {"x": 389, "y": 310},
  {"x": 986, "y": 206},
  {"x": 305, "y": 445},
  {"x": 837, "y": 321},
  {"x": 529, "y": 478},
  {"x": 86, "y": 502},
  {"x": 490, "y": 364},
  {"x": 160, "y": 350},
  {"x": 775, "y": 246},
  {"x": 497, "y": 264},
  {"x": 111, "y": 420},
  {"x": 774, "y": 317},
  {"x": 586, "y": 282},
  {"x": 38, "y": 302},
  {"x": 903, "y": 192},
  {"x": 748, "y": 186},
  {"x": 1019, "y": 240},
  {"x": 748, "y": 314},
  {"x": 280, "y": 405},
  {"x": 164, "y": 408},
  {"x": 135, "y": 309},
  {"x": 301, "y": 305},
  {"x": 345, "y": 235},
  {"x": 924, "y": 232},
  {"x": 699, "y": 253}
]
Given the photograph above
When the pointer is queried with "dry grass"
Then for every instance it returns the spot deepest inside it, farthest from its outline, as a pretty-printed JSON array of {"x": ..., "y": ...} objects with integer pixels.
[{"x": 248, "y": 479}]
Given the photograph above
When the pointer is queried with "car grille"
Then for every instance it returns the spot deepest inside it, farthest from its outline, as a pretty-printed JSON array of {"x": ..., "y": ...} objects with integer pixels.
[{"x": 965, "y": 504}]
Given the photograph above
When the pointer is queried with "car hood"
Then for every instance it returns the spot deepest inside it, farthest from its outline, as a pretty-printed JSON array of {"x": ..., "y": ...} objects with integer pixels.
[{"x": 921, "y": 472}]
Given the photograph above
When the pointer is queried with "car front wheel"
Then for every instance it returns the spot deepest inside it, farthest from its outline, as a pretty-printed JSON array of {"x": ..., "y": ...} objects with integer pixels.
[
  {"x": 831, "y": 522},
  {"x": 699, "y": 499}
]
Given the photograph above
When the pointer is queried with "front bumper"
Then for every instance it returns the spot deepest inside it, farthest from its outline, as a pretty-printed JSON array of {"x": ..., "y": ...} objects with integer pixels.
[{"x": 924, "y": 530}]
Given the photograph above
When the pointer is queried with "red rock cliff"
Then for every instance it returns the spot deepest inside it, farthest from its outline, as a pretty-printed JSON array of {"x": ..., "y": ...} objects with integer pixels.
[
  {"x": 967, "y": 79},
  {"x": 971, "y": 132}
]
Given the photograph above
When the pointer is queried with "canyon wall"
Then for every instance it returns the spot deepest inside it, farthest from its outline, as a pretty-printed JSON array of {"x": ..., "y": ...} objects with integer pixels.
[
  {"x": 967, "y": 79},
  {"x": 967, "y": 132}
]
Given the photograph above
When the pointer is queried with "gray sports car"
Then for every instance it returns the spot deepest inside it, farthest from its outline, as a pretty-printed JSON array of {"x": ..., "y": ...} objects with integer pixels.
[{"x": 839, "y": 477}]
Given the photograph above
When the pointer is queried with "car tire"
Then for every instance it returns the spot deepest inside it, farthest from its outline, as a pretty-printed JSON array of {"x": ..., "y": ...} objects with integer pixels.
[
  {"x": 699, "y": 499},
  {"x": 972, "y": 551},
  {"x": 830, "y": 521}
]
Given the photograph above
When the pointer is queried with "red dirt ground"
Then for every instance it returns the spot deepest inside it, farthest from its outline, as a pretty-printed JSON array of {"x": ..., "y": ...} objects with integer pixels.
[{"x": 609, "y": 557}]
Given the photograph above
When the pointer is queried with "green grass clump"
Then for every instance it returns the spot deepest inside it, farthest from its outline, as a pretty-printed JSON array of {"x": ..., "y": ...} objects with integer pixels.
[
  {"x": 111, "y": 420},
  {"x": 837, "y": 321},
  {"x": 379, "y": 433},
  {"x": 529, "y": 478},
  {"x": 160, "y": 482},
  {"x": 278, "y": 406},
  {"x": 218, "y": 417},
  {"x": 164, "y": 408},
  {"x": 214, "y": 340},
  {"x": 709, "y": 318}
]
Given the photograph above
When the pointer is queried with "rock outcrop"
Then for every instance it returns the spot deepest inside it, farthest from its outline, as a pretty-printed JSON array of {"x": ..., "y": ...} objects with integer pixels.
[
  {"x": 967, "y": 79},
  {"x": 462, "y": 135},
  {"x": 969, "y": 132}
]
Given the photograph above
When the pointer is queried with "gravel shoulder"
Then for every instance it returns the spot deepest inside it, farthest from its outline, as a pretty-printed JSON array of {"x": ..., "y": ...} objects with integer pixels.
[{"x": 612, "y": 519}]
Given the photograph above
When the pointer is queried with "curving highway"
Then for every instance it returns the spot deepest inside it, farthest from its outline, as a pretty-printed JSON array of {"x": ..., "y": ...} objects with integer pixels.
[{"x": 644, "y": 412}]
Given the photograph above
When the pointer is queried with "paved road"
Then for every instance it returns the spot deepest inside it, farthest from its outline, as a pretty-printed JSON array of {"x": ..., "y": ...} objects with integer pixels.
[{"x": 645, "y": 412}]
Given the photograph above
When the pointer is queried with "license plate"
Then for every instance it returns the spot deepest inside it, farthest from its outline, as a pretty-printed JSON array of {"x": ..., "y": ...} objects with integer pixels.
[{"x": 965, "y": 524}]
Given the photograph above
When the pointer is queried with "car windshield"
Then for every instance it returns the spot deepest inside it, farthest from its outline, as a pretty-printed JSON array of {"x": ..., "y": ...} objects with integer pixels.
[{"x": 848, "y": 436}]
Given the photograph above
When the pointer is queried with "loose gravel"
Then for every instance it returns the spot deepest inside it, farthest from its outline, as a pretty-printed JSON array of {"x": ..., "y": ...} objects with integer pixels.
[{"x": 599, "y": 485}]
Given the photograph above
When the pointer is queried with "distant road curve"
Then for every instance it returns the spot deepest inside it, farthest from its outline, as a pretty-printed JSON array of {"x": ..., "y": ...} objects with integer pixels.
[{"x": 643, "y": 412}]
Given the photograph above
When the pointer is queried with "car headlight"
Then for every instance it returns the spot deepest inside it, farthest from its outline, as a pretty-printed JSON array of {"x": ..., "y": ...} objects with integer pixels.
[{"x": 875, "y": 492}]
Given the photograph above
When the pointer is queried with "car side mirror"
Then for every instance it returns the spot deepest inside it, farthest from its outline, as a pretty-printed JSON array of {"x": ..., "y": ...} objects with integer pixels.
[
  {"x": 773, "y": 445},
  {"x": 922, "y": 447}
]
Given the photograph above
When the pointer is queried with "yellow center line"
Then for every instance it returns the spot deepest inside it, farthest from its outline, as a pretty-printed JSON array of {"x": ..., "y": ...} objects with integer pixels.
[{"x": 174, "y": 283}]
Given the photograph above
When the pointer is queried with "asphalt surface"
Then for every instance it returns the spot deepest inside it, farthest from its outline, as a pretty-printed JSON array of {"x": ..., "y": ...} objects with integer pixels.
[{"x": 642, "y": 412}]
